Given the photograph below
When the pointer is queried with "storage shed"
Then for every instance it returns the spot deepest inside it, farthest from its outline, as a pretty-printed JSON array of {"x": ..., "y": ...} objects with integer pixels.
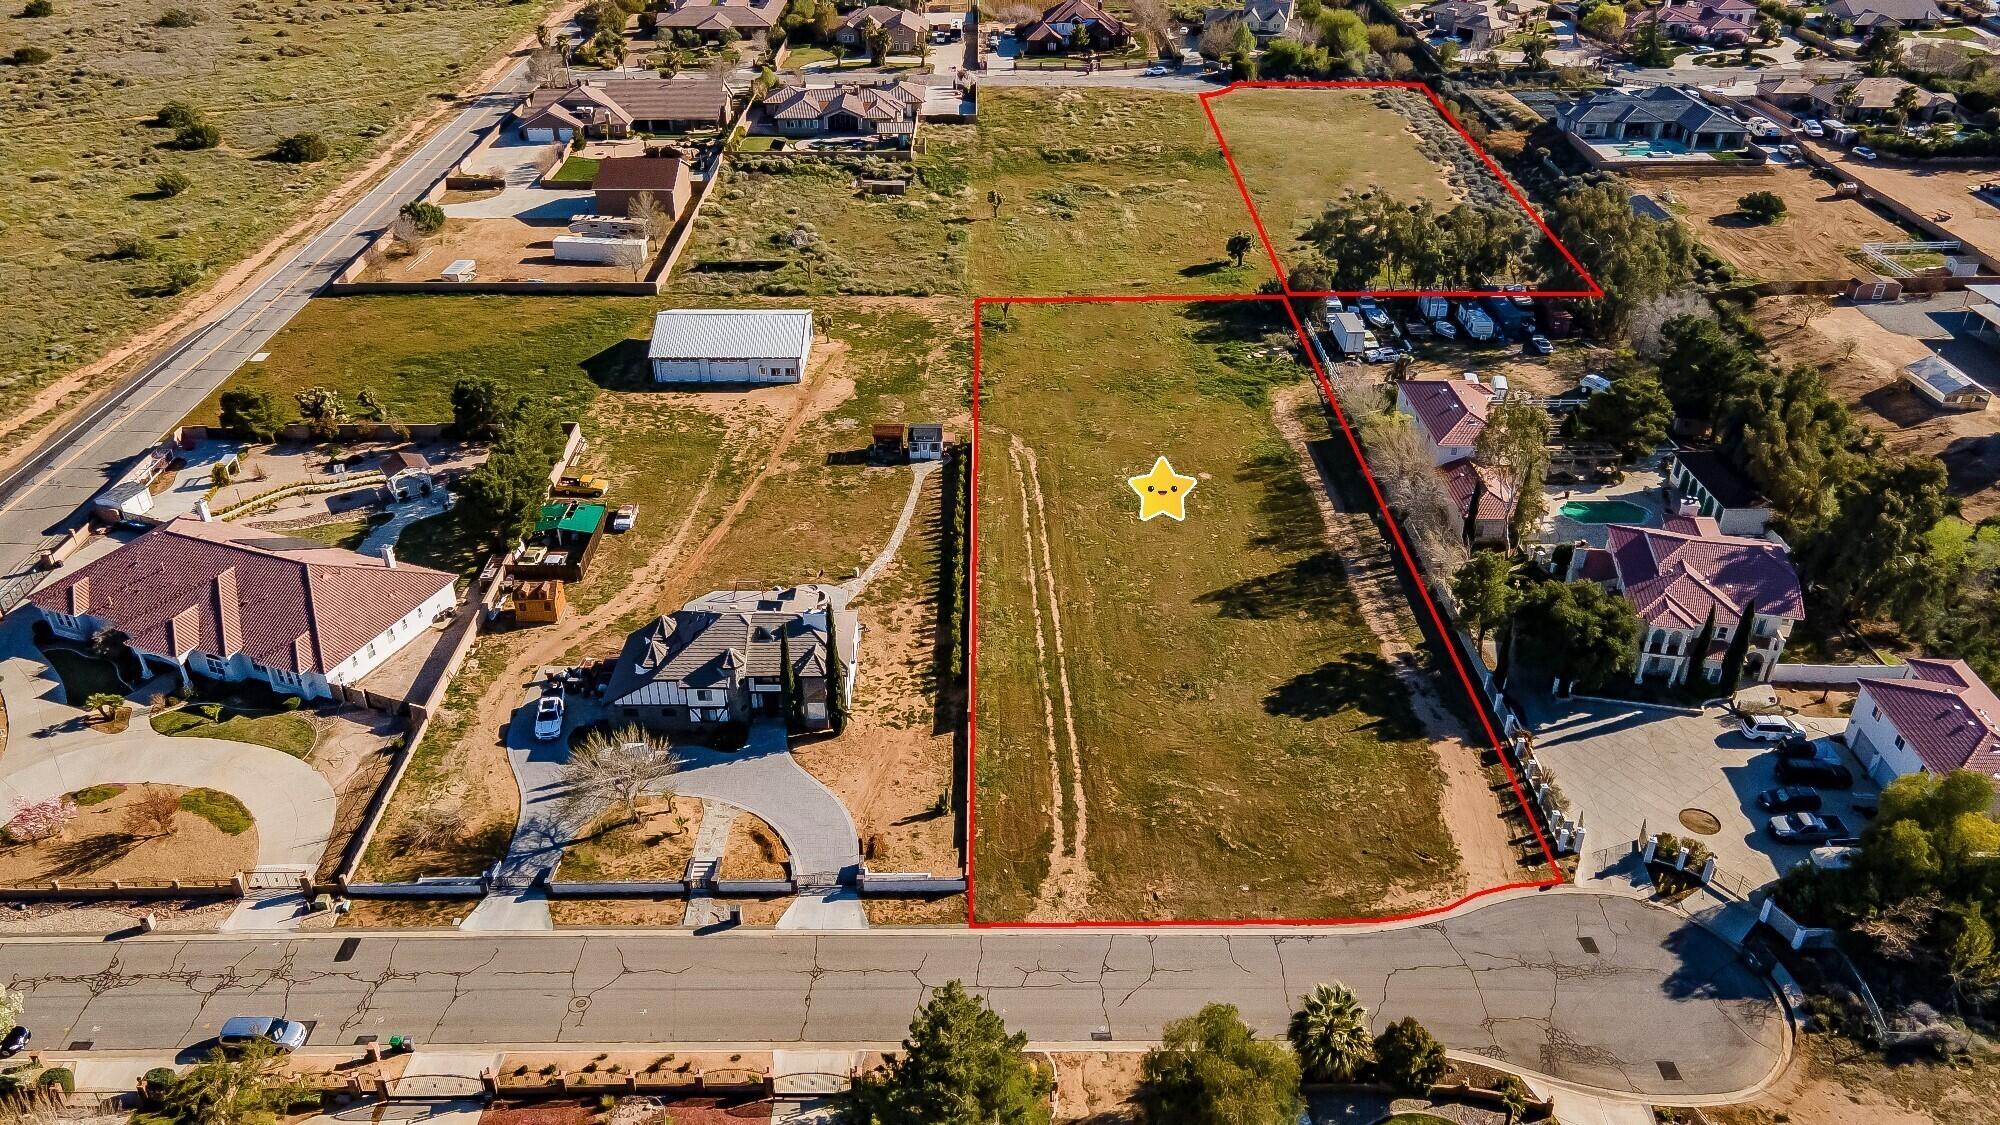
[
  {"x": 1946, "y": 385},
  {"x": 748, "y": 346}
]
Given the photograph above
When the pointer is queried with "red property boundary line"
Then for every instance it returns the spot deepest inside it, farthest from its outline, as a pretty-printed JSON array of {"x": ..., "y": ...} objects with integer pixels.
[
  {"x": 1389, "y": 522},
  {"x": 1590, "y": 290}
]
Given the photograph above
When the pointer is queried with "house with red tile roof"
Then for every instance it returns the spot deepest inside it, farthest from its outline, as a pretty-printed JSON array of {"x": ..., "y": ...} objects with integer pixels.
[
  {"x": 1935, "y": 716},
  {"x": 1449, "y": 413},
  {"x": 236, "y": 603},
  {"x": 1676, "y": 575},
  {"x": 1483, "y": 498}
]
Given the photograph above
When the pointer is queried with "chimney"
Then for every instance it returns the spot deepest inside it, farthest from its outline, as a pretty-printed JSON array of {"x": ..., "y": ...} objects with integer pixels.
[
  {"x": 202, "y": 512},
  {"x": 389, "y": 555},
  {"x": 1689, "y": 507}
]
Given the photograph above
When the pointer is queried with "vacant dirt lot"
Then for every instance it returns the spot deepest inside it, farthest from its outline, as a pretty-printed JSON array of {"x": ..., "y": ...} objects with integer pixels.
[
  {"x": 1811, "y": 242},
  {"x": 1930, "y": 192},
  {"x": 505, "y": 249}
]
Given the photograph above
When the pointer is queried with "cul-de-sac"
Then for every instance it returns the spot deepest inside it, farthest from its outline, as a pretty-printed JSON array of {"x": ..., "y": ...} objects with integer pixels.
[{"x": 966, "y": 562}]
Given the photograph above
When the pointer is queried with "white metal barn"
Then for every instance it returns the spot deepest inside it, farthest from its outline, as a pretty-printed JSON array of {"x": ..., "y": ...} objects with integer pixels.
[{"x": 731, "y": 345}]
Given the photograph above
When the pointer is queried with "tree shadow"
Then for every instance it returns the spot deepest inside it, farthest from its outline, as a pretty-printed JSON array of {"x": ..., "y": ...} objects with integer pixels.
[
  {"x": 1205, "y": 269},
  {"x": 1359, "y": 682},
  {"x": 1288, "y": 517},
  {"x": 72, "y": 858},
  {"x": 1313, "y": 586}
]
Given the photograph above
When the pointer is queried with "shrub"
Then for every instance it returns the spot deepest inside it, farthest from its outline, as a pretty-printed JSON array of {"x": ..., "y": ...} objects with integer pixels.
[
  {"x": 35, "y": 9},
  {"x": 426, "y": 216},
  {"x": 1761, "y": 207},
  {"x": 57, "y": 1076},
  {"x": 180, "y": 275},
  {"x": 301, "y": 148},
  {"x": 197, "y": 135},
  {"x": 96, "y": 794},
  {"x": 226, "y": 813},
  {"x": 1408, "y": 1057},
  {"x": 178, "y": 17},
  {"x": 172, "y": 183},
  {"x": 29, "y": 56},
  {"x": 210, "y": 711},
  {"x": 289, "y": 703},
  {"x": 177, "y": 115}
]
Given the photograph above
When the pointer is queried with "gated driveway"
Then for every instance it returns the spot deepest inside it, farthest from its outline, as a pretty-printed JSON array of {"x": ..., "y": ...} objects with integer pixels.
[{"x": 1627, "y": 769}]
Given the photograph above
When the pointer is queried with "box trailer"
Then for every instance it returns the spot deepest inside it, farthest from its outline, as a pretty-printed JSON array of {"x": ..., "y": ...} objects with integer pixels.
[
  {"x": 1349, "y": 334},
  {"x": 1556, "y": 320},
  {"x": 1477, "y": 323},
  {"x": 602, "y": 251},
  {"x": 1433, "y": 308}
]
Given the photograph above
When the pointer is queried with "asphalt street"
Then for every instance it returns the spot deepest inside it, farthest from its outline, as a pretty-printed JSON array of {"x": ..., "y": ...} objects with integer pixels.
[
  {"x": 44, "y": 494},
  {"x": 1597, "y": 990}
]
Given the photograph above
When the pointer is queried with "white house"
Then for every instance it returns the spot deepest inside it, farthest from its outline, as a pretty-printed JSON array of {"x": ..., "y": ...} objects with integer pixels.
[
  {"x": 752, "y": 346},
  {"x": 237, "y": 603},
  {"x": 1937, "y": 716},
  {"x": 1450, "y": 413}
]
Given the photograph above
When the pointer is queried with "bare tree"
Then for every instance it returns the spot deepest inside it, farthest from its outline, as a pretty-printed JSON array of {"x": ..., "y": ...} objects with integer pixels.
[
  {"x": 1362, "y": 396},
  {"x": 405, "y": 237},
  {"x": 1417, "y": 493},
  {"x": 152, "y": 812},
  {"x": 430, "y": 827},
  {"x": 1151, "y": 17},
  {"x": 1218, "y": 39},
  {"x": 632, "y": 254},
  {"x": 722, "y": 66},
  {"x": 653, "y": 218},
  {"x": 1643, "y": 325},
  {"x": 618, "y": 766},
  {"x": 547, "y": 68},
  {"x": 1805, "y": 307}
]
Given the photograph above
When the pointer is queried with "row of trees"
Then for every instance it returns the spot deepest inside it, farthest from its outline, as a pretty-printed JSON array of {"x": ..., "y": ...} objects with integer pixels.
[
  {"x": 1369, "y": 239},
  {"x": 960, "y": 1066}
]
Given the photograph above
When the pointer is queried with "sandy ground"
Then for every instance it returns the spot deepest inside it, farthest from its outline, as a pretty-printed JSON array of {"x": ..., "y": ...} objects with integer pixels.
[
  {"x": 1810, "y": 243},
  {"x": 98, "y": 845},
  {"x": 668, "y": 827},
  {"x": 1090, "y": 1083},
  {"x": 506, "y": 250},
  {"x": 1866, "y": 378},
  {"x": 753, "y": 851},
  {"x": 947, "y": 911},
  {"x": 1930, "y": 191},
  {"x": 1820, "y": 703},
  {"x": 1813, "y": 1090},
  {"x": 374, "y": 914},
  {"x": 1542, "y": 375},
  {"x": 650, "y": 913}
]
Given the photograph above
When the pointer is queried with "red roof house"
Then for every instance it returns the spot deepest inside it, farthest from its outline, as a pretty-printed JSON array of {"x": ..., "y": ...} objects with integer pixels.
[
  {"x": 1936, "y": 716},
  {"x": 1450, "y": 413}
]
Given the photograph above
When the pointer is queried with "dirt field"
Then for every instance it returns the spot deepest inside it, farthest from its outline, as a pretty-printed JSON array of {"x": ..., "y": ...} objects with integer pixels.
[
  {"x": 1929, "y": 192},
  {"x": 100, "y": 844},
  {"x": 505, "y": 249},
  {"x": 1810, "y": 243},
  {"x": 1833, "y": 1082},
  {"x": 1866, "y": 377},
  {"x": 1177, "y": 720}
]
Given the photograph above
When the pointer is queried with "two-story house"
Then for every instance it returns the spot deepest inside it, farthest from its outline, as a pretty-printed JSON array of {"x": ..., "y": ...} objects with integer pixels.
[
  {"x": 1449, "y": 414},
  {"x": 1677, "y": 575},
  {"x": 1936, "y": 716}
]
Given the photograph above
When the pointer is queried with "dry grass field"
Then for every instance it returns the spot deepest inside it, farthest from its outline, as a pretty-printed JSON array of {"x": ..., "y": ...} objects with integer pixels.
[{"x": 1177, "y": 720}]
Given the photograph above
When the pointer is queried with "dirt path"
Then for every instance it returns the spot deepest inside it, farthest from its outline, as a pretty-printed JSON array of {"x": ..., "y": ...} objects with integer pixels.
[
  {"x": 1066, "y": 888},
  {"x": 1471, "y": 810}
]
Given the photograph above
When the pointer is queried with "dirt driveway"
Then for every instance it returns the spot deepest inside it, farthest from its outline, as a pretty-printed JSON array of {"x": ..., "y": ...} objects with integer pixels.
[{"x": 1810, "y": 243}]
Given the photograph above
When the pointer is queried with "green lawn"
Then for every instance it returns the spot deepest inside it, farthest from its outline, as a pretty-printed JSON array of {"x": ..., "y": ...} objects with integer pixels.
[
  {"x": 286, "y": 731},
  {"x": 1102, "y": 191},
  {"x": 577, "y": 171},
  {"x": 1234, "y": 723},
  {"x": 80, "y": 161},
  {"x": 218, "y": 808},
  {"x": 912, "y": 244},
  {"x": 1962, "y": 34},
  {"x": 803, "y": 56},
  {"x": 339, "y": 533}
]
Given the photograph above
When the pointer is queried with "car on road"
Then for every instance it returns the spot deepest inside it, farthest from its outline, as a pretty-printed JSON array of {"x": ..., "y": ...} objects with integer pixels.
[
  {"x": 1805, "y": 828},
  {"x": 1154, "y": 72},
  {"x": 1783, "y": 800},
  {"x": 1769, "y": 728},
  {"x": 1817, "y": 772},
  {"x": 1812, "y": 129},
  {"x": 1864, "y": 152},
  {"x": 241, "y": 1031},
  {"x": 1539, "y": 344},
  {"x": 1445, "y": 329},
  {"x": 549, "y": 717},
  {"x": 16, "y": 1038}
]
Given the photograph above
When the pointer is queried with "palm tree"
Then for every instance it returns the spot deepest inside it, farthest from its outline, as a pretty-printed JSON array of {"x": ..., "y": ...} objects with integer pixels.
[{"x": 1330, "y": 1033}]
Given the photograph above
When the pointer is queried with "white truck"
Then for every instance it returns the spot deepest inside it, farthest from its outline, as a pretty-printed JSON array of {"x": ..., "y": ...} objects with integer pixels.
[
  {"x": 1477, "y": 322},
  {"x": 1349, "y": 333}
]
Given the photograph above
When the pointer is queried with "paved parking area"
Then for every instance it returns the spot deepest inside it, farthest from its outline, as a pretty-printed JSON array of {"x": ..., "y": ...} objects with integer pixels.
[{"x": 1628, "y": 769}]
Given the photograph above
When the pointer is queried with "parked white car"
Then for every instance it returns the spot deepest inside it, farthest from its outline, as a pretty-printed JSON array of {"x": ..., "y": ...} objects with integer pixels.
[
  {"x": 1770, "y": 728},
  {"x": 548, "y": 718},
  {"x": 1811, "y": 129}
]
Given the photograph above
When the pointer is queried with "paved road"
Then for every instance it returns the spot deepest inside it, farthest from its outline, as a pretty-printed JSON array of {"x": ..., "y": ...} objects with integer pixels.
[
  {"x": 1592, "y": 989},
  {"x": 73, "y": 464}
]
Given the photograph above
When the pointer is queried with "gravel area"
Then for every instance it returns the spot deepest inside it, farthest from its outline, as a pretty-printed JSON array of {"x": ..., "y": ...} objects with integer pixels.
[{"x": 170, "y": 916}]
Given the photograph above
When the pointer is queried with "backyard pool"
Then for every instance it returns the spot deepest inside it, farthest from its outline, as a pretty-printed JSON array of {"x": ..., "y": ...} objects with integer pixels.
[{"x": 1603, "y": 511}]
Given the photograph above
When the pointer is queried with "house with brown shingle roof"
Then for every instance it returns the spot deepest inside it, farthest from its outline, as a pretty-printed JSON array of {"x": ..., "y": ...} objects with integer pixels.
[
  {"x": 623, "y": 106},
  {"x": 1676, "y": 575},
  {"x": 1931, "y": 716},
  {"x": 906, "y": 29},
  {"x": 1062, "y": 26},
  {"x": 884, "y": 109},
  {"x": 711, "y": 19},
  {"x": 235, "y": 603},
  {"x": 721, "y": 658},
  {"x": 1449, "y": 413}
]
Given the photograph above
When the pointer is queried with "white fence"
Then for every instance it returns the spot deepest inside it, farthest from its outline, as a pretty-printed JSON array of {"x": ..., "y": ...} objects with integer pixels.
[
  {"x": 1565, "y": 831},
  {"x": 1835, "y": 673}
]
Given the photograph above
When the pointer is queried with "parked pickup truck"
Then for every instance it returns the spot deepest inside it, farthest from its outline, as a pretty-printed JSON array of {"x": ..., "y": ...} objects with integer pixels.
[
  {"x": 1806, "y": 828},
  {"x": 587, "y": 487}
]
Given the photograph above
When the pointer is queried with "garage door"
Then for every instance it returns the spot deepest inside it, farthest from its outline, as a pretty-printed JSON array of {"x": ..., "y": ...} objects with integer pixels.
[
  {"x": 731, "y": 370},
  {"x": 676, "y": 370}
]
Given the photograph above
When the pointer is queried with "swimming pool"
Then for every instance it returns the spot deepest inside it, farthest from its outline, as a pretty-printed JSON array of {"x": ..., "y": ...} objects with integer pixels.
[{"x": 1603, "y": 511}]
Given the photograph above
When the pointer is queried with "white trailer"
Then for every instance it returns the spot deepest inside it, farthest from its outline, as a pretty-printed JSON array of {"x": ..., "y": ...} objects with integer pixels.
[
  {"x": 1433, "y": 308},
  {"x": 602, "y": 251},
  {"x": 1349, "y": 333},
  {"x": 1477, "y": 322}
]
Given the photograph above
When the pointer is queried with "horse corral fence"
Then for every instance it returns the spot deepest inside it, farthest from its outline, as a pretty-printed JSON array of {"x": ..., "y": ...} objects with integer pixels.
[{"x": 1882, "y": 254}]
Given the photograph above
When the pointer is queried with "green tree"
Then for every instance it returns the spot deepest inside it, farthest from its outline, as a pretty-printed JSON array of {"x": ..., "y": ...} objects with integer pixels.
[
  {"x": 1633, "y": 257},
  {"x": 1872, "y": 555},
  {"x": 1513, "y": 1096},
  {"x": 1484, "y": 596},
  {"x": 426, "y": 216},
  {"x": 1698, "y": 651},
  {"x": 1882, "y": 43},
  {"x": 476, "y": 409},
  {"x": 1535, "y": 50},
  {"x": 1239, "y": 244},
  {"x": 322, "y": 409},
  {"x": 301, "y": 148},
  {"x": 1576, "y": 631},
  {"x": 1970, "y": 957},
  {"x": 250, "y": 414},
  {"x": 1605, "y": 22},
  {"x": 1329, "y": 1032},
  {"x": 1701, "y": 364},
  {"x": 1738, "y": 650},
  {"x": 1632, "y": 416},
  {"x": 241, "y": 1089},
  {"x": 1448, "y": 53},
  {"x": 105, "y": 703},
  {"x": 1408, "y": 1057},
  {"x": 1649, "y": 46},
  {"x": 959, "y": 1066},
  {"x": 1761, "y": 207},
  {"x": 1210, "y": 1069},
  {"x": 1515, "y": 443}
]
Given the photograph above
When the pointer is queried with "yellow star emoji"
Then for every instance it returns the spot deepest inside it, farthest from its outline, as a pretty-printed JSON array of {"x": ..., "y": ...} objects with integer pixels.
[{"x": 1162, "y": 492}]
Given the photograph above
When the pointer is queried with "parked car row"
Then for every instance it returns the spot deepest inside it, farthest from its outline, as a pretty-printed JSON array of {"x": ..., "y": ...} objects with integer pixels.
[
  {"x": 1805, "y": 766},
  {"x": 1353, "y": 327}
]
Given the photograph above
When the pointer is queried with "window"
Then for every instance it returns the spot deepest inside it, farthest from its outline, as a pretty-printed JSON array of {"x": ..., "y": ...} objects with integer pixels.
[
  {"x": 1876, "y": 713},
  {"x": 1899, "y": 742}
]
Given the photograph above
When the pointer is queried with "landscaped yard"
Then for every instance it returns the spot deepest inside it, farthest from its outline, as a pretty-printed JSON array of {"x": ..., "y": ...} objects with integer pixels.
[
  {"x": 93, "y": 242},
  {"x": 614, "y": 849},
  {"x": 202, "y": 840},
  {"x": 1102, "y": 191},
  {"x": 1177, "y": 720},
  {"x": 576, "y": 172},
  {"x": 853, "y": 241},
  {"x": 284, "y": 730}
]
